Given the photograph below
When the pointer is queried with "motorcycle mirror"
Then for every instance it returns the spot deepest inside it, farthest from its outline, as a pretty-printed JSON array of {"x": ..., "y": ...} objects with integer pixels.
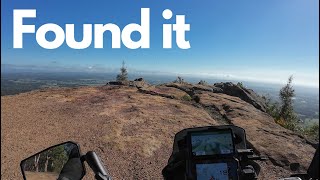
[{"x": 61, "y": 161}]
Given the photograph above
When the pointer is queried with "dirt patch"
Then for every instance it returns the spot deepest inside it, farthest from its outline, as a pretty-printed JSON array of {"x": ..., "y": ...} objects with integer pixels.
[{"x": 41, "y": 175}]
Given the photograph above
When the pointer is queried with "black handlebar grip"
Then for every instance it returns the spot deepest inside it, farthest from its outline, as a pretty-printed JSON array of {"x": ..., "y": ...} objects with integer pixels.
[{"x": 95, "y": 163}]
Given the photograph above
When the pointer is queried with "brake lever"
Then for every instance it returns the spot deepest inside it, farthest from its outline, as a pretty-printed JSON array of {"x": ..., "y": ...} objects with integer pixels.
[
  {"x": 258, "y": 158},
  {"x": 249, "y": 155},
  {"x": 245, "y": 152}
]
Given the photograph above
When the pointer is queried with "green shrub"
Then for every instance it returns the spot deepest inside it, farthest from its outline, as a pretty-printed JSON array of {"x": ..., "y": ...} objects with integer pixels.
[
  {"x": 203, "y": 82},
  {"x": 186, "y": 97},
  {"x": 179, "y": 80},
  {"x": 240, "y": 84},
  {"x": 312, "y": 131},
  {"x": 196, "y": 99},
  {"x": 272, "y": 108}
]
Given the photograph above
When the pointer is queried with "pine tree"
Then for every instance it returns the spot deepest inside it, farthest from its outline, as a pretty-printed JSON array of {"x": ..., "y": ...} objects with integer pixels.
[
  {"x": 286, "y": 109},
  {"x": 123, "y": 76}
]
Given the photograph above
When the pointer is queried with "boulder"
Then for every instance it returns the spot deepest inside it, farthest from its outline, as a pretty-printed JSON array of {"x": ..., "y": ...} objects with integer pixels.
[
  {"x": 119, "y": 83},
  {"x": 139, "y": 83},
  {"x": 186, "y": 87},
  {"x": 139, "y": 79},
  {"x": 146, "y": 91},
  {"x": 200, "y": 87},
  {"x": 164, "y": 91},
  {"x": 247, "y": 95}
]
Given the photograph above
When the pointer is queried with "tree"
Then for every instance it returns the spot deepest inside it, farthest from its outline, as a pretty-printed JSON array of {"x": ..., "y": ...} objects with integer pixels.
[
  {"x": 123, "y": 76},
  {"x": 203, "y": 82},
  {"x": 240, "y": 84},
  {"x": 179, "y": 80},
  {"x": 36, "y": 162},
  {"x": 59, "y": 157},
  {"x": 286, "y": 112},
  {"x": 46, "y": 163}
]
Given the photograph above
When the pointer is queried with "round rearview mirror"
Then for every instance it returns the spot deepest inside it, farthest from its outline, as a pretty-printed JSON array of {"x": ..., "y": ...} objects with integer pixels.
[{"x": 60, "y": 162}]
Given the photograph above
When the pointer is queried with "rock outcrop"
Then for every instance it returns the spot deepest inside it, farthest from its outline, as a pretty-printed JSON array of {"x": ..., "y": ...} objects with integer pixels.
[
  {"x": 138, "y": 83},
  {"x": 131, "y": 125},
  {"x": 280, "y": 145},
  {"x": 247, "y": 95}
]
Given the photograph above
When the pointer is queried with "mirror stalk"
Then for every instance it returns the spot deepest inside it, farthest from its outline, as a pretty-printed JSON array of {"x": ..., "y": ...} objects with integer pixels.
[{"x": 96, "y": 165}]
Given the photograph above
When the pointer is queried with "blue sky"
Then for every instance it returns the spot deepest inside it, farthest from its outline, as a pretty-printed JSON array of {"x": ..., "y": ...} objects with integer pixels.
[{"x": 266, "y": 40}]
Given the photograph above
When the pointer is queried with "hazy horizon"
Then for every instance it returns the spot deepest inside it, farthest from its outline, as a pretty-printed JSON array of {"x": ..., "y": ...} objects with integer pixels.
[
  {"x": 306, "y": 101},
  {"x": 7, "y": 68}
]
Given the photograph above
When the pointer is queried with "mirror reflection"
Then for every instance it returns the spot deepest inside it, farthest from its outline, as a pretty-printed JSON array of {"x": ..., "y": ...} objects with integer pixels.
[{"x": 50, "y": 164}]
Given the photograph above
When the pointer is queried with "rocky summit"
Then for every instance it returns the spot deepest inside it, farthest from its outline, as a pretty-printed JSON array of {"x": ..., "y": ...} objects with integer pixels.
[{"x": 131, "y": 125}]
